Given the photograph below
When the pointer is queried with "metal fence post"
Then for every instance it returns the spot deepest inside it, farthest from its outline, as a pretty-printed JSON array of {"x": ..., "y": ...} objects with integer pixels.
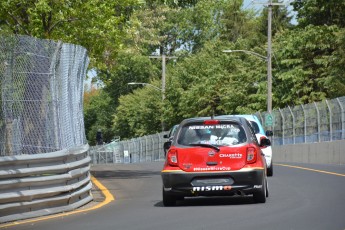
[
  {"x": 160, "y": 144},
  {"x": 293, "y": 126},
  {"x": 330, "y": 121},
  {"x": 153, "y": 149},
  {"x": 342, "y": 119},
  {"x": 283, "y": 126},
  {"x": 305, "y": 124},
  {"x": 318, "y": 122}
]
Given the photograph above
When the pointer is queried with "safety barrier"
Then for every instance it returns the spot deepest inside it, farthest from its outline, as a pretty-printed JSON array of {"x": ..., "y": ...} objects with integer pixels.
[
  {"x": 44, "y": 184},
  {"x": 328, "y": 152},
  {"x": 142, "y": 149}
]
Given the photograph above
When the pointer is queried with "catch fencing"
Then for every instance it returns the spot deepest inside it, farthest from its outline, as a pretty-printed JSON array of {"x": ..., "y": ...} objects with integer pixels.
[
  {"x": 44, "y": 165},
  {"x": 311, "y": 123},
  {"x": 42, "y": 85},
  {"x": 142, "y": 149}
]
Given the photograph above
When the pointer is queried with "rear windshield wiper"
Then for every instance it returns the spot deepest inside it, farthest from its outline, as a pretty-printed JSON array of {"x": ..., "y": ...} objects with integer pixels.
[{"x": 205, "y": 145}]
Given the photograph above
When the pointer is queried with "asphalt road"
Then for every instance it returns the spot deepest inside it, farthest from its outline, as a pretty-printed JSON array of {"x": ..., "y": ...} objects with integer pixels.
[{"x": 299, "y": 199}]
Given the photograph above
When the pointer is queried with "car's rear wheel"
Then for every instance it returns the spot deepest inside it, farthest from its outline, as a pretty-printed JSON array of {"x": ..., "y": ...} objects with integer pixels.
[
  {"x": 267, "y": 190},
  {"x": 260, "y": 195},
  {"x": 270, "y": 170},
  {"x": 168, "y": 200}
]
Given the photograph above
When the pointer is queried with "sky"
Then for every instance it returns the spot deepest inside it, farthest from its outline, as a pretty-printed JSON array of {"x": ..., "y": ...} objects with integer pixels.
[{"x": 258, "y": 4}]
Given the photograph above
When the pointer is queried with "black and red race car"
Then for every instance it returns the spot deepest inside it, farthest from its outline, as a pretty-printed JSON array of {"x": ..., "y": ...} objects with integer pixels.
[{"x": 218, "y": 156}]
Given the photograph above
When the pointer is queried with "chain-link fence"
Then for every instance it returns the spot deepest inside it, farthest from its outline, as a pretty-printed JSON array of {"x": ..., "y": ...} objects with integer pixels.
[
  {"x": 315, "y": 122},
  {"x": 41, "y": 95},
  {"x": 143, "y": 149}
]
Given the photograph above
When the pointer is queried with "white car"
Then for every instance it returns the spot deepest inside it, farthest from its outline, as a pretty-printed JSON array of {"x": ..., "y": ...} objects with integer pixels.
[{"x": 260, "y": 133}]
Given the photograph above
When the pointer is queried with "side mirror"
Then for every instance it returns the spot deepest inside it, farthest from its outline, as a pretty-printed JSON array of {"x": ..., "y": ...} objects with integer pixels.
[
  {"x": 166, "y": 136},
  {"x": 264, "y": 142},
  {"x": 166, "y": 146},
  {"x": 269, "y": 133}
]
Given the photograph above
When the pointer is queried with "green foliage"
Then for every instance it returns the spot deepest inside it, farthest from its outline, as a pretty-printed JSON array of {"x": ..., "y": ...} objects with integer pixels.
[
  {"x": 211, "y": 83},
  {"x": 308, "y": 61},
  {"x": 98, "y": 25},
  {"x": 97, "y": 110},
  {"x": 138, "y": 113},
  {"x": 320, "y": 12},
  {"x": 281, "y": 20},
  {"x": 309, "y": 67},
  {"x": 130, "y": 67}
]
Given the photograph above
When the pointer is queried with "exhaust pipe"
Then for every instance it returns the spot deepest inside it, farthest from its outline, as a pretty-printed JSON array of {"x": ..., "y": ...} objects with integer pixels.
[{"x": 241, "y": 193}]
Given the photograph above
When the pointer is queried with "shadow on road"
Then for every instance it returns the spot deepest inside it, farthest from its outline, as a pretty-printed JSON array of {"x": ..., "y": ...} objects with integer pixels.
[
  {"x": 124, "y": 174},
  {"x": 212, "y": 201}
]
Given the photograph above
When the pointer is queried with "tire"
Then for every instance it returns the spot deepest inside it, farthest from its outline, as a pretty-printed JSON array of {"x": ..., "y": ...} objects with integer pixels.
[
  {"x": 260, "y": 196},
  {"x": 270, "y": 170},
  {"x": 168, "y": 200},
  {"x": 267, "y": 190}
]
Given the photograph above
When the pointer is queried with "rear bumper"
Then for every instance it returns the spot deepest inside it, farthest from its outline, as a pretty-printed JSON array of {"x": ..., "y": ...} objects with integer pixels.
[{"x": 244, "y": 182}]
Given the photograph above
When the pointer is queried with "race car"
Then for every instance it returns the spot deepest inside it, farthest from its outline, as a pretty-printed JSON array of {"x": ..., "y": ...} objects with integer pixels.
[
  {"x": 260, "y": 133},
  {"x": 215, "y": 156},
  {"x": 169, "y": 136}
]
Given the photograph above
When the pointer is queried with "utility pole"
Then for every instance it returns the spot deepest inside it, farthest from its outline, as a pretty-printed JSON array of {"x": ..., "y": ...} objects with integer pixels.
[
  {"x": 163, "y": 57},
  {"x": 269, "y": 58},
  {"x": 269, "y": 4}
]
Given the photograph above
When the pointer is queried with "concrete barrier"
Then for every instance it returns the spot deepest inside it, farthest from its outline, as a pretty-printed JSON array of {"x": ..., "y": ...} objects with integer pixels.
[{"x": 318, "y": 153}]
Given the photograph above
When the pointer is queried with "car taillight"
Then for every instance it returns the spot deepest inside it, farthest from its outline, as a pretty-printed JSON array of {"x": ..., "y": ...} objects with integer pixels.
[
  {"x": 251, "y": 155},
  {"x": 211, "y": 122},
  {"x": 172, "y": 157}
]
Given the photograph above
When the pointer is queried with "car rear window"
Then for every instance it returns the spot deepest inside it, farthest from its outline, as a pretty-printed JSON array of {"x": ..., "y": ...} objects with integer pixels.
[
  {"x": 255, "y": 126},
  {"x": 223, "y": 134}
]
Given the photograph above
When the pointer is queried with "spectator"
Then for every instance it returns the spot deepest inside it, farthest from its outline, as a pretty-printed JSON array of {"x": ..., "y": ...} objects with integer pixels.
[{"x": 99, "y": 137}]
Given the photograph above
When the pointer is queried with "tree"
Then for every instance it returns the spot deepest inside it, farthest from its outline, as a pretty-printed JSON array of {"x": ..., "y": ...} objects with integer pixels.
[
  {"x": 97, "y": 115},
  {"x": 309, "y": 67},
  {"x": 97, "y": 25},
  {"x": 130, "y": 67},
  {"x": 281, "y": 20},
  {"x": 320, "y": 12},
  {"x": 138, "y": 113}
]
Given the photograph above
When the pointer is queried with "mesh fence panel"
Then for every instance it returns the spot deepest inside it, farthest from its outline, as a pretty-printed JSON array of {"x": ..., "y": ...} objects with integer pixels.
[
  {"x": 41, "y": 95},
  {"x": 314, "y": 122}
]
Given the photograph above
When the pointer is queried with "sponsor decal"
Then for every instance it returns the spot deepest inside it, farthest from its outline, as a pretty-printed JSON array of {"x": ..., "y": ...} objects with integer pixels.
[
  {"x": 211, "y": 188},
  {"x": 201, "y": 169},
  {"x": 231, "y": 155},
  {"x": 231, "y": 128}
]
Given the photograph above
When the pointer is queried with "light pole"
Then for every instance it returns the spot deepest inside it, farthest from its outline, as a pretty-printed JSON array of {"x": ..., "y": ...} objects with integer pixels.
[
  {"x": 154, "y": 87},
  {"x": 248, "y": 52},
  {"x": 269, "y": 73},
  {"x": 142, "y": 83}
]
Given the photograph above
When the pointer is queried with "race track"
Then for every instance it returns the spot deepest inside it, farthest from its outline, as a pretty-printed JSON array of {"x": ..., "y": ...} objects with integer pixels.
[{"x": 308, "y": 196}]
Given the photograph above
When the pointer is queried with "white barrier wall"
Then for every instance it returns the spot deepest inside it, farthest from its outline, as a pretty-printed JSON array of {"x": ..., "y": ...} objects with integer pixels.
[
  {"x": 330, "y": 152},
  {"x": 44, "y": 184}
]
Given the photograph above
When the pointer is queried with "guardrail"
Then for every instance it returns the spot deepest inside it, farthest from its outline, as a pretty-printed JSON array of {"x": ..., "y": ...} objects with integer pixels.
[{"x": 44, "y": 184}]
